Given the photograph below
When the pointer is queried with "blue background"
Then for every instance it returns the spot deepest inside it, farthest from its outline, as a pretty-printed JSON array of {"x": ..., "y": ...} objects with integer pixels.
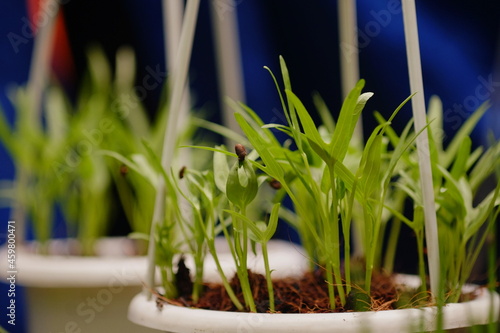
[{"x": 458, "y": 50}]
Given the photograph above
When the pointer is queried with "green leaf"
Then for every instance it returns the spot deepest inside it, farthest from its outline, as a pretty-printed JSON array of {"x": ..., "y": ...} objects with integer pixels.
[
  {"x": 221, "y": 170},
  {"x": 56, "y": 115},
  {"x": 310, "y": 130},
  {"x": 324, "y": 113},
  {"x": 481, "y": 213},
  {"x": 370, "y": 164},
  {"x": 139, "y": 235},
  {"x": 460, "y": 164},
  {"x": 418, "y": 218},
  {"x": 463, "y": 132},
  {"x": 251, "y": 117},
  {"x": 219, "y": 129},
  {"x": 271, "y": 166},
  {"x": 242, "y": 185},
  {"x": 348, "y": 117},
  {"x": 435, "y": 115},
  {"x": 257, "y": 234},
  {"x": 6, "y": 135},
  {"x": 279, "y": 93},
  {"x": 273, "y": 223},
  {"x": 485, "y": 167},
  {"x": 453, "y": 192},
  {"x": 290, "y": 113}
]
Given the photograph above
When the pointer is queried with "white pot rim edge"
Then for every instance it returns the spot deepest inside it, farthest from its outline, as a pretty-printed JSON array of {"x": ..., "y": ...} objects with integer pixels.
[{"x": 180, "y": 319}]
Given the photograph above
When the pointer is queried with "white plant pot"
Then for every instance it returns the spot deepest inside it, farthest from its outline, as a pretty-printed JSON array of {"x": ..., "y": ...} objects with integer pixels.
[
  {"x": 483, "y": 309},
  {"x": 67, "y": 293}
]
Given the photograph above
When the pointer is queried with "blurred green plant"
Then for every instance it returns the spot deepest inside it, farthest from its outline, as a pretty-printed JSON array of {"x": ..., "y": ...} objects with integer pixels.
[{"x": 59, "y": 159}]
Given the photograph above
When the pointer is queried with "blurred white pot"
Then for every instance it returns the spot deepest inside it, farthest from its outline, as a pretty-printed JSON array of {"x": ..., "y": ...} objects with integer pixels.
[{"x": 69, "y": 293}]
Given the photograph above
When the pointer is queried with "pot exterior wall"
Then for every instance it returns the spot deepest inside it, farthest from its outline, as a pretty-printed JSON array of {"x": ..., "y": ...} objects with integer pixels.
[
  {"x": 96, "y": 310},
  {"x": 75, "y": 294}
]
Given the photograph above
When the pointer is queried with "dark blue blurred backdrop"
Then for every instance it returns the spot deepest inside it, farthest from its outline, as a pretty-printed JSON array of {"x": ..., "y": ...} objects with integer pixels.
[{"x": 458, "y": 46}]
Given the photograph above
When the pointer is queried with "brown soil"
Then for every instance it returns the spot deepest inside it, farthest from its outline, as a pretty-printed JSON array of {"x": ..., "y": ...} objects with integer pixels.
[{"x": 308, "y": 294}]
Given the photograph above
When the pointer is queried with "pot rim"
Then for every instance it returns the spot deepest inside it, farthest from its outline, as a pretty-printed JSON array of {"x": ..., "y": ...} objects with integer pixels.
[
  {"x": 482, "y": 310},
  {"x": 73, "y": 271}
]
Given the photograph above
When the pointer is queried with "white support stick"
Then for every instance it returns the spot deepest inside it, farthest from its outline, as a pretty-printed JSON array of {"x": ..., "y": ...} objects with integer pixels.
[
  {"x": 419, "y": 114},
  {"x": 172, "y": 14},
  {"x": 349, "y": 53},
  {"x": 40, "y": 61},
  {"x": 225, "y": 32},
  {"x": 177, "y": 85},
  {"x": 349, "y": 70}
]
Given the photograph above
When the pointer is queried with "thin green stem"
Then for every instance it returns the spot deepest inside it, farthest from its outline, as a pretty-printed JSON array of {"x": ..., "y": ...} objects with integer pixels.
[
  {"x": 241, "y": 245},
  {"x": 225, "y": 282},
  {"x": 421, "y": 261},
  {"x": 198, "y": 279},
  {"x": 168, "y": 278},
  {"x": 334, "y": 249},
  {"x": 270, "y": 289},
  {"x": 329, "y": 280},
  {"x": 369, "y": 253},
  {"x": 346, "y": 228},
  {"x": 492, "y": 259},
  {"x": 392, "y": 242},
  {"x": 347, "y": 259}
]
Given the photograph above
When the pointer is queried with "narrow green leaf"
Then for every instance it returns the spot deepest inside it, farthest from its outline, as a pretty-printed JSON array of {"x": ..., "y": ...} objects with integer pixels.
[
  {"x": 435, "y": 115},
  {"x": 259, "y": 234},
  {"x": 273, "y": 223},
  {"x": 482, "y": 212},
  {"x": 348, "y": 117},
  {"x": 221, "y": 170},
  {"x": 283, "y": 105},
  {"x": 370, "y": 164},
  {"x": 452, "y": 189},
  {"x": 324, "y": 113},
  {"x": 485, "y": 166},
  {"x": 459, "y": 167},
  {"x": 291, "y": 113},
  {"x": 465, "y": 130},
  {"x": 6, "y": 134},
  {"x": 271, "y": 167},
  {"x": 310, "y": 130},
  {"x": 219, "y": 129}
]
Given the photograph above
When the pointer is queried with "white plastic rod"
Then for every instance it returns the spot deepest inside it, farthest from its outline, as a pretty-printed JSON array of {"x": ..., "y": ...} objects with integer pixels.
[
  {"x": 419, "y": 114},
  {"x": 40, "y": 60},
  {"x": 178, "y": 79},
  {"x": 228, "y": 55},
  {"x": 172, "y": 14},
  {"x": 349, "y": 71},
  {"x": 349, "y": 53}
]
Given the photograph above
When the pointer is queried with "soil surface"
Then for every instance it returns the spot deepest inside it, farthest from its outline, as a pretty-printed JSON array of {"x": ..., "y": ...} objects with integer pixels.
[{"x": 308, "y": 294}]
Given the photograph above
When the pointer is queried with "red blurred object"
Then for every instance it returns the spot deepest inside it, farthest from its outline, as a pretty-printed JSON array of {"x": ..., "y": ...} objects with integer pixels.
[{"x": 62, "y": 62}]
